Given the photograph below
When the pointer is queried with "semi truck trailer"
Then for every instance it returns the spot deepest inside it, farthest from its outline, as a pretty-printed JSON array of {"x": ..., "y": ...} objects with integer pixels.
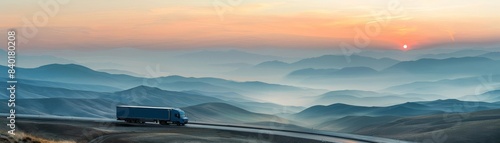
[{"x": 142, "y": 114}]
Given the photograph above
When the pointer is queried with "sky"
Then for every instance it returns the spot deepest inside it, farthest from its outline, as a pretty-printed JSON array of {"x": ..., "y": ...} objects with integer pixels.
[{"x": 159, "y": 24}]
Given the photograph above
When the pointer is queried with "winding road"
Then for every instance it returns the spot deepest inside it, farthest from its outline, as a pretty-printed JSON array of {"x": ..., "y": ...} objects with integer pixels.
[{"x": 118, "y": 131}]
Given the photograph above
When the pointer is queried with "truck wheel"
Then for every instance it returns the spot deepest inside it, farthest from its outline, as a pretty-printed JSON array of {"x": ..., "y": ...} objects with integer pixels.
[
  {"x": 163, "y": 123},
  {"x": 178, "y": 124}
]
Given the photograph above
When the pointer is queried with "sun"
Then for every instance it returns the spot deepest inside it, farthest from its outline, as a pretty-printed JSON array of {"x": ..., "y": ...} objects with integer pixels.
[{"x": 404, "y": 46}]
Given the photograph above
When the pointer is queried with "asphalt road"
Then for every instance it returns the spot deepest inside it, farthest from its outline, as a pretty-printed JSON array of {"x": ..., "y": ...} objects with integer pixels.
[{"x": 116, "y": 130}]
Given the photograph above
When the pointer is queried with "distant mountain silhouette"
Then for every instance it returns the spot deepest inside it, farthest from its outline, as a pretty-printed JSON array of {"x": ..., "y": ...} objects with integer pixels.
[
  {"x": 450, "y": 66},
  {"x": 27, "y": 91},
  {"x": 275, "y": 69},
  {"x": 490, "y": 96},
  {"x": 72, "y": 86},
  {"x": 194, "y": 85},
  {"x": 74, "y": 107},
  {"x": 228, "y": 96},
  {"x": 455, "y": 54},
  {"x": 491, "y": 55},
  {"x": 250, "y": 104},
  {"x": 311, "y": 72},
  {"x": 331, "y": 61},
  {"x": 236, "y": 56},
  {"x": 332, "y": 73},
  {"x": 272, "y": 64},
  {"x": 364, "y": 98},
  {"x": 32, "y": 61},
  {"x": 77, "y": 74},
  {"x": 451, "y": 87},
  {"x": 144, "y": 95},
  {"x": 422, "y": 70},
  {"x": 454, "y": 105},
  {"x": 341, "y": 61},
  {"x": 116, "y": 71}
]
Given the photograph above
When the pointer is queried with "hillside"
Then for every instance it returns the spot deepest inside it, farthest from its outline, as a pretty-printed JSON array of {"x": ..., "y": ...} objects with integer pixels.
[
  {"x": 362, "y": 98},
  {"x": 354, "y": 123},
  {"x": 320, "y": 114},
  {"x": 481, "y": 126},
  {"x": 100, "y": 108},
  {"x": 81, "y": 75},
  {"x": 151, "y": 96},
  {"x": 225, "y": 113}
]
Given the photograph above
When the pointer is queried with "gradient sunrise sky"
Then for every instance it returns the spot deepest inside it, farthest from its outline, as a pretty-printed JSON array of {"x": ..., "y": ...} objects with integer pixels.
[{"x": 254, "y": 23}]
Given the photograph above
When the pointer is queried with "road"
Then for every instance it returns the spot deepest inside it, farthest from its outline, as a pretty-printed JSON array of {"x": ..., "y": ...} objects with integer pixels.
[{"x": 108, "y": 130}]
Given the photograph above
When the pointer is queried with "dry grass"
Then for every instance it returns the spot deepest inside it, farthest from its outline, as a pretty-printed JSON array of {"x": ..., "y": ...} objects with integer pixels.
[{"x": 21, "y": 137}]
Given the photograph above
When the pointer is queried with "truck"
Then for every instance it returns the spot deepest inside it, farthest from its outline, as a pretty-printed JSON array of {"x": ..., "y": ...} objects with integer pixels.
[{"x": 142, "y": 114}]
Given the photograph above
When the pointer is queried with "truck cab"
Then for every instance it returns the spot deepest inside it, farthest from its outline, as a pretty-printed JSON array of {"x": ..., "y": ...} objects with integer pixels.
[{"x": 179, "y": 117}]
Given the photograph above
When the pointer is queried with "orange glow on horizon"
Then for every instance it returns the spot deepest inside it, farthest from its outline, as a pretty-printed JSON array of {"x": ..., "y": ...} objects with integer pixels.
[{"x": 258, "y": 23}]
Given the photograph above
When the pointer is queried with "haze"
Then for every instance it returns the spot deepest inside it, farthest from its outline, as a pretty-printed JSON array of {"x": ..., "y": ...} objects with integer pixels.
[{"x": 255, "y": 24}]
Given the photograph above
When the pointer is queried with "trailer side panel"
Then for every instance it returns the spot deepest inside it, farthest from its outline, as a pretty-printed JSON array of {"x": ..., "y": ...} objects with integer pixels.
[{"x": 142, "y": 113}]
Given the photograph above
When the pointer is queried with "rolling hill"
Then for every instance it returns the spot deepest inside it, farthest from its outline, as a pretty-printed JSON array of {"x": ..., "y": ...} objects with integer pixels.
[
  {"x": 140, "y": 95},
  {"x": 354, "y": 123},
  {"x": 367, "y": 101},
  {"x": 331, "y": 61},
  {"x": 490, "y": 96},
  {"x": 35, "y": 60},
  {"x": 267, "y": 108},
  {"x": 454, "y": 105},
  {"x": 225, "y": 113},
  {"x": 456, "y": 54},
  {"x": 368, "y": 98},
  {"x": 80, "y": 75},
  {"x": 227, "y": 96},
  {"x": 27, "y": 91},
  {"x": 100, "y": 108},
  {"x": 491, "y": 55},
  {"x": 453, "y": 88},
  {"x": 252, "y": 105},
  {"x": 341, "y": 61},
  {"x": 346, "y": 72},
  {"x": 151, "y": 96},
  {"x": 76, "y": 74},
  {"x": 253, "y": 89},
  {"x": 480, "y": 126},
  {"x": 273, "y": 70},
  {"x": 320, "y": 114}
]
